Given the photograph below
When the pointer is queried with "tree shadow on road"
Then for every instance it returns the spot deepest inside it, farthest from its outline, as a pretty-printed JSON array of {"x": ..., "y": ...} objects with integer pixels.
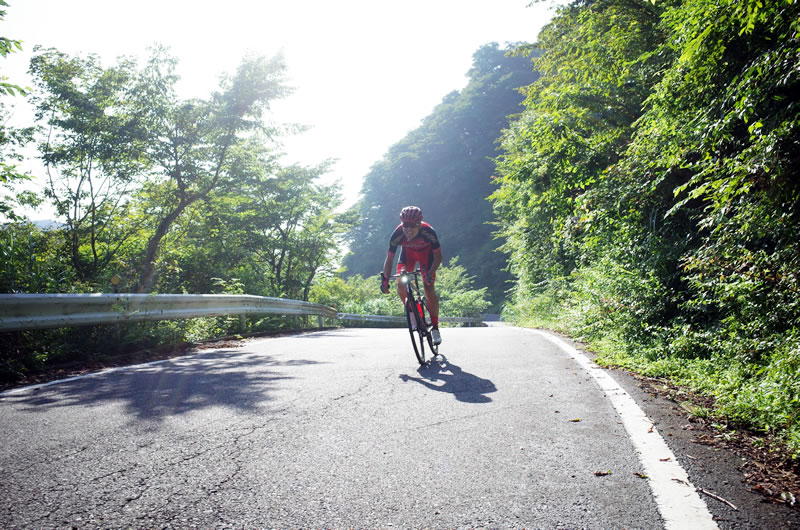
[
  {"x": 444, "y": 376},
  {"x": 223, "y": 378}
]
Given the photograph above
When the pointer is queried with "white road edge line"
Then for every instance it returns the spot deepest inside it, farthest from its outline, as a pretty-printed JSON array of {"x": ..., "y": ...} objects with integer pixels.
[{"x": 677, "y": 499}]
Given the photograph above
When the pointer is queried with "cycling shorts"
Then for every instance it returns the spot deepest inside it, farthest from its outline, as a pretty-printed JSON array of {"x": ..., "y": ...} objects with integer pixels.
[{"x": 409, "y": 260}]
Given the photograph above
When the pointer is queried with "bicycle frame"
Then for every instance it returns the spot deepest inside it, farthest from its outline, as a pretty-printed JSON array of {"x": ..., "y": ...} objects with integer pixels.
[{"x": 417, "y": 309}]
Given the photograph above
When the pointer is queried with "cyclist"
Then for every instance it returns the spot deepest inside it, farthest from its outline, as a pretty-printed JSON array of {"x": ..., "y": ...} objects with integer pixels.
[{"x": 420, "y": 245}]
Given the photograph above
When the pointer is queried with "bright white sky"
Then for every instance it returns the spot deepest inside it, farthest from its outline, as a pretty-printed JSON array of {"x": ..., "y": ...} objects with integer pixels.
[{"x": 365, "y": 72}]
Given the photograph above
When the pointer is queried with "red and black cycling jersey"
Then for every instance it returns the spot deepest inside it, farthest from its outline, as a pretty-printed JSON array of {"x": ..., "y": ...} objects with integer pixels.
[
  {"x": 425, "y": 240},
  {"x": 417, "y": 250}
]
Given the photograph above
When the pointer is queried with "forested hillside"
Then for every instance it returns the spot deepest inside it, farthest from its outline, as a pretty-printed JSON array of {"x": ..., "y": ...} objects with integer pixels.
[
  {"x": 650, "y": 200},
  {"x": 445, "y": 167}
]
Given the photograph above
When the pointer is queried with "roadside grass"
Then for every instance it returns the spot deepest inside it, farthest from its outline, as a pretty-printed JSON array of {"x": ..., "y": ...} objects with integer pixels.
[{"x": 41, "y": 353}]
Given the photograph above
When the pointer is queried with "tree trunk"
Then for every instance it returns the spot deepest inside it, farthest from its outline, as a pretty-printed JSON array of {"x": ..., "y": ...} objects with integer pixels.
[
  {"x": 145, "y": 283},
  {"x": 307, "y": 286}
]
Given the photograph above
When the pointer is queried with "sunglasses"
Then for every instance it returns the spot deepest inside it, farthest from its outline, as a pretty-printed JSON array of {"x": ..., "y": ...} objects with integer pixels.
[{"x": 410, "y": 225}]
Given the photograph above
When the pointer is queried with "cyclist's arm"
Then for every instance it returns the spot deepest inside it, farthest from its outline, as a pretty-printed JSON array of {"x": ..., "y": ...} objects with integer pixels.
[
  {"x": 387, "y": 264},
  {"x": 437, "y": 260}
]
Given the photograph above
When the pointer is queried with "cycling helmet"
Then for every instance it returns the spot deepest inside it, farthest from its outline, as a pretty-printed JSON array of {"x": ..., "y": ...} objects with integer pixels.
[{"x": 411, "y": 214}]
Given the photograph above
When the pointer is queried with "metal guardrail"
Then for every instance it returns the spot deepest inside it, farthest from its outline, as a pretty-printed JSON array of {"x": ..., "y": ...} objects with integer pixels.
[{"x": 41, "y": 311}]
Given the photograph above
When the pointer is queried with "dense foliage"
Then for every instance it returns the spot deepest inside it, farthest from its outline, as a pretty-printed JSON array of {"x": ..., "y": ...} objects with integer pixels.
[
  {"x": 445, "y": 167},
  {"x": 356, "y": 294},
  {"x": 649, "y": 196}
]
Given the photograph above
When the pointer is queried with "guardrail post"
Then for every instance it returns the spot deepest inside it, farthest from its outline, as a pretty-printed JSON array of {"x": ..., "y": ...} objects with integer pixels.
[{"x": 320, "y": 322}]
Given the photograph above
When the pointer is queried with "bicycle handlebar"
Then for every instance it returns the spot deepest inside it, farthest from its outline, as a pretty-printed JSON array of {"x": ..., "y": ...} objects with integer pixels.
[{"x": 415, "y": 272}]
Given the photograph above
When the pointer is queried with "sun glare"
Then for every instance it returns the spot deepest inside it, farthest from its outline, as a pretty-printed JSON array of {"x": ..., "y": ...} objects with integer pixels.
[{"x": 365, "y": 73}]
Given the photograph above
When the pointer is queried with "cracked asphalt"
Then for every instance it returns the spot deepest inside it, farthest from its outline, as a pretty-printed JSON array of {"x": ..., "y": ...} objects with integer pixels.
[{"x": 339, "y": 428}]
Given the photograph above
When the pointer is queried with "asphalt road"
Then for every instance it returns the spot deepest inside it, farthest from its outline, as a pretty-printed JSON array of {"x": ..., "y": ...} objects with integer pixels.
[{"x": 330, "y": 429}]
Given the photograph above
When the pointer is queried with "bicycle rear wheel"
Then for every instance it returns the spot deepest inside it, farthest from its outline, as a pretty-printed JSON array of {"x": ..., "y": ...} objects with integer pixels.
[{"x": 417, "y": 337}]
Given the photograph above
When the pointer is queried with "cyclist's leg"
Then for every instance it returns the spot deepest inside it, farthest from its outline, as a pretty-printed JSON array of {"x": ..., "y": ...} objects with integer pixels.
[
  {"x": 401, "y": 266},
  {"x": 433, "y": 309},
  {"x": 404, "y": 265},
  {"x": 410, "y": 260},
  {"x": 424, "y": 260},
  {"x": 433, "y": 301},
  {"x": 432, "y": 298}
]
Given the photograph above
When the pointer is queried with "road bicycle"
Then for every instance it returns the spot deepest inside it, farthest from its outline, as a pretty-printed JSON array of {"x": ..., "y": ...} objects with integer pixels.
[{"x": 417, "y": 313}]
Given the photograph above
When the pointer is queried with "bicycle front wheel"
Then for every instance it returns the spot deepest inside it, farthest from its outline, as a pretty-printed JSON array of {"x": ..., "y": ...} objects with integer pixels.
[
  {"x": 428, "y": 336},
  {"x": 417, "y": 335}
]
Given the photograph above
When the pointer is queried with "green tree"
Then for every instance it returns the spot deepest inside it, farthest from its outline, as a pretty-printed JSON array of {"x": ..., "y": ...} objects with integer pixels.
[
  {"x": 597, "y": 66},
  {"x": 32, "y": 261},
  {"x": 11, "y": 138},
  {"x": 7, "y": 46},
  {"x": 294, "y": 229},
  {"x": 273, "y": 232},
  {"x": 193, "y": 140},
  {"x": 92, "y": 143},
  {"x": 458, "y": 296},
  {"x": 723, "y": 129}
]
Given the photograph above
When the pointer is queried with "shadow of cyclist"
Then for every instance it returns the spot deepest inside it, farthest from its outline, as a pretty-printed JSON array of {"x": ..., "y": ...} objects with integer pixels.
[{"x": 444, "y": 376}]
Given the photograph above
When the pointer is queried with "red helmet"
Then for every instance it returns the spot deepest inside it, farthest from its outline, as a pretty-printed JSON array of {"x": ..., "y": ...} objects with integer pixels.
[{"x": 411, "y": 214}]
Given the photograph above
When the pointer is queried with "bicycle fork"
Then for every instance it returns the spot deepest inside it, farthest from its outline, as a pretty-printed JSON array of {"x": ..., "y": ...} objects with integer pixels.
[
  {"x": 415, "y": 309},
  {"x": 416, "y": 315}
]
